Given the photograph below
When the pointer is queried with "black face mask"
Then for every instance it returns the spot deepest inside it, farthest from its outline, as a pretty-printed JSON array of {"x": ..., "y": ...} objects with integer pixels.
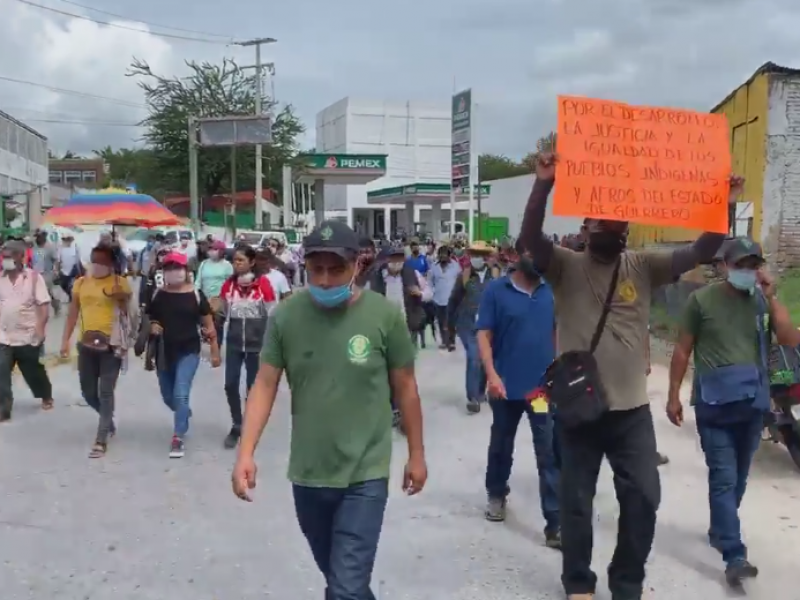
[
  {"x": 526, "y": 267},
  {"x": 606, "y": 244}
]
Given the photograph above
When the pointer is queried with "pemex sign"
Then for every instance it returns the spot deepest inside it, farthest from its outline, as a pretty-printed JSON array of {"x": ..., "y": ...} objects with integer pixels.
[{"x": 347, "y": 162}]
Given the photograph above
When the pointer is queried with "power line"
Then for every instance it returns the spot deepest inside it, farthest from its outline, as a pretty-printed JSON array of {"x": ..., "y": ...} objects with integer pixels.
[
  {"x": 148, "y": 23},
  {"x": 118, "y": 26},
  {"x": 76, "y": 122},
  {"x": 72, "y": 92},
  {"x": 79, "y": 122}
]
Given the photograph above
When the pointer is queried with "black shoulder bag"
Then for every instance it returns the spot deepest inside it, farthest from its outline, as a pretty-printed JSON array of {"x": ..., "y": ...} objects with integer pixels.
[{"x": 573, "y": 381}]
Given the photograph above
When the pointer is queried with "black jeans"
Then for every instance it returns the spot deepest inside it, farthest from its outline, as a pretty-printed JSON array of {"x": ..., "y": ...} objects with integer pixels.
[
  {"x": 234, "y": 361},
  {"x": 343, "y": 527},
  {"x": 27, "y": 358},
  {"x": 66, "y": 281},
  {"x": 628, "y": 440},
  {"x": 98, "y": 373}
]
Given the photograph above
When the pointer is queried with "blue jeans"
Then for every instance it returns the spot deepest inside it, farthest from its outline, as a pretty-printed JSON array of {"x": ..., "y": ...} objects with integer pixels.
[
  {"x": 476, "y": 376},
  {"x": 506, "y": 415},
  {"x": 175, "y": 383},
  {"x": 729, "y": 451},
  {"x": 343, "y": 526},
  {"x": 234, "y": 361}
]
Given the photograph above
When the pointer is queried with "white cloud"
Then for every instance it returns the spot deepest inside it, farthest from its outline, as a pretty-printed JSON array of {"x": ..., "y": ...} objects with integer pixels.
[
  {"x": 75, "y": 54},
  {"x": 517, "y": 55}
]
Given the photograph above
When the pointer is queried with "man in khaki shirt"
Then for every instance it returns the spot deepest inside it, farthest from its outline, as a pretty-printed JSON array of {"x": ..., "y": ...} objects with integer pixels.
[{"x": 624, "y": 434}]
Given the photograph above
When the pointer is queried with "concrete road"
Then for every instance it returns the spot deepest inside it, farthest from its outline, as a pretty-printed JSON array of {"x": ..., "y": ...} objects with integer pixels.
[{"x": 137, "y": 526}]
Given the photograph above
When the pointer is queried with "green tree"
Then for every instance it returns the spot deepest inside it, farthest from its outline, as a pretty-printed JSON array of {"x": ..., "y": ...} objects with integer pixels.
[
  {"x": 131, "y": 165},
  {"x": 210, "y": 91},
  {"x": 546, "y": 143},
  {"x": 497, "y": 166}
]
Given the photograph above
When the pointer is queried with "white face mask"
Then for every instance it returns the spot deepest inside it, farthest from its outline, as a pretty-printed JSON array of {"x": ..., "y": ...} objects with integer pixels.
[
  {"x": 213, "y": 254},
  {"x": 477, "y": 262},
  {"x": 175, "y": 277},
  {"x": 245, "y": 279},
  {"x": 9, "y": 264},
  {"x": 395, "y": 267},
  {"x": 100, "y": 271}
]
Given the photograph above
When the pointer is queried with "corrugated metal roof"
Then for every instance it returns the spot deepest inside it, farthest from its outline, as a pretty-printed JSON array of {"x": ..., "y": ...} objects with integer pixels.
[
  {"x": 4, "y": 115},
  {"x": 769, "y": 68}
]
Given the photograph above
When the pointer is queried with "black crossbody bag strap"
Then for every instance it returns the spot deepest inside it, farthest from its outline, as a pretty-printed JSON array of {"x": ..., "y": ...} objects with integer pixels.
[{"x": 601, "y": 324}]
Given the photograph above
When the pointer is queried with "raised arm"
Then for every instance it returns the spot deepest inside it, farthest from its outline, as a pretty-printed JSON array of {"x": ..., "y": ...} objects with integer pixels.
[
  {"x": 700, "y": 252},
  {"x": 531, "y": 237},
  {"x": 666, "y": 267}
]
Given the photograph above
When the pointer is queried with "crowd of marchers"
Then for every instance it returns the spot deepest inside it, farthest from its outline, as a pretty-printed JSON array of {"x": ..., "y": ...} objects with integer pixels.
[
  {"x": 557, "y": 333},
  {"x": 578, "y": 374}
]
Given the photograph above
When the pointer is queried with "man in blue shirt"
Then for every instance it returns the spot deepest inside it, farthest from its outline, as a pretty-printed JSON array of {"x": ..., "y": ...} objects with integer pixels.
[
  {"x": 416, "y": 260},
  {"x": 516, "y": 340}
]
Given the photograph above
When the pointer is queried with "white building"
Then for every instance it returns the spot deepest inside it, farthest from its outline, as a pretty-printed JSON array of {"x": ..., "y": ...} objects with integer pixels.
[
  {"x": 415, "y": 136},
  {"x": 23, "y": 167},
  {"x": 508, "y": 199}
]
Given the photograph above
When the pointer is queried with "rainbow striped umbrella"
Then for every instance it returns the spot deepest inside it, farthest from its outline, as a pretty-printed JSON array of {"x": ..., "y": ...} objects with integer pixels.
[{"x": 112, "y": 207}]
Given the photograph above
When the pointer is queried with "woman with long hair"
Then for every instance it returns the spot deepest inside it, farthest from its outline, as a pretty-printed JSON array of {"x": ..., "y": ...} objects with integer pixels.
[
  {"x": 100, "y": 302},
  {"x": 176, "y": 313},
  {"x": 246, "y": 299}
]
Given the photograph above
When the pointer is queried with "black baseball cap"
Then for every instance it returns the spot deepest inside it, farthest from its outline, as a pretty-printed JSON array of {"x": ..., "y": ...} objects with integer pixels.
[
  {"x": 333, "y": 237},
  {"x": 740, "y": 248}
]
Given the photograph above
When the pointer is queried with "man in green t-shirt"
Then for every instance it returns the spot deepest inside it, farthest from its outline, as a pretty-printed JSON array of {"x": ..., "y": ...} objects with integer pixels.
[
  {"x": 725, "y": 324},
  {"x": 346, "y": 352}
]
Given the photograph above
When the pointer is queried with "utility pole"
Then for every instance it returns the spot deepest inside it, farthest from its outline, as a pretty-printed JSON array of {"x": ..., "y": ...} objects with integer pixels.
[
  {"x": 194, "y": 189},
  {"x": 259, "y": 162},
  {"x": 233, "y": 191}
]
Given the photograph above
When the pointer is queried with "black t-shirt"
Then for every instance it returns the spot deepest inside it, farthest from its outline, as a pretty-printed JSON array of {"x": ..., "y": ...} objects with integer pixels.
[{"x": 179, "y": 315}]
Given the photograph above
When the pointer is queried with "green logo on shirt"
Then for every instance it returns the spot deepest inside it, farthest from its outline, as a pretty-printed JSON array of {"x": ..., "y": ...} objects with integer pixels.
[{"x": 358, "y": 349}]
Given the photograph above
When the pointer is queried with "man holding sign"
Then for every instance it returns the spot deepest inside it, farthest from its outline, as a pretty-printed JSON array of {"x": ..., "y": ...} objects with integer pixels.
[
  {"x": 603, "y": 302},
  {"x": 516, "y": 342}
]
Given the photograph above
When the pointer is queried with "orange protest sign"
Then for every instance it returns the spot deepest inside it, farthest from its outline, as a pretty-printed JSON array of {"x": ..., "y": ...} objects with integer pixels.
[{"x": 658, "y": 166}]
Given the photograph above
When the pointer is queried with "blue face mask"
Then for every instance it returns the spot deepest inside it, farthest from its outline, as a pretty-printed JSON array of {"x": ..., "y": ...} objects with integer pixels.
[
  {"x": 331, "y": 297},
  {"x": 742, "y": 279}
]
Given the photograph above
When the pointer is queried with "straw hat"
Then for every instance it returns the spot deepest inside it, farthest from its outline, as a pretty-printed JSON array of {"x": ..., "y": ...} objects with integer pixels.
[{"x": 480, "y": 247}]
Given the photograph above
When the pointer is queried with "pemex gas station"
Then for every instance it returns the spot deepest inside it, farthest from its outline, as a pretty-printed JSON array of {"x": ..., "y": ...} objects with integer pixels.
[
  {"x": 319, "y": 170},
  {"x": 325, "y": 170},
  {"x": 426, "y": 195}
]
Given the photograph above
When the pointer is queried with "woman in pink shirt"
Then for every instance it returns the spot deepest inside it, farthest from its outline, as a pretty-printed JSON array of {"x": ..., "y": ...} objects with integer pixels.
[{"x": 24, "y": 309}]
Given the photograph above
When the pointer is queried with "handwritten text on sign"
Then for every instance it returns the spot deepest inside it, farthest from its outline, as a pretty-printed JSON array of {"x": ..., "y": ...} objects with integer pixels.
[{"x": 642, "y": 164}]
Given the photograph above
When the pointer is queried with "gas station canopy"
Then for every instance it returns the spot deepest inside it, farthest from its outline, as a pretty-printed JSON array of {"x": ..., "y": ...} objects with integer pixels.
[
  {"x": 421, "y": 193},
  {"x": 340, "y": 169}
]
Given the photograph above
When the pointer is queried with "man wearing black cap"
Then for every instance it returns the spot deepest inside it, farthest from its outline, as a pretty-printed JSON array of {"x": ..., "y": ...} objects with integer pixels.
[
  {"x": 345, "y": 352},
  {"x": 612, "y": 280},
  {"x": 729, "y": 326}
]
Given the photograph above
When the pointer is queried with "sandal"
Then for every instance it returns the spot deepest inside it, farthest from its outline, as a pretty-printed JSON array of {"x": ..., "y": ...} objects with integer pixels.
[
  {"x": 98, "y": 450},
  {"x": 47, "y": 404}
]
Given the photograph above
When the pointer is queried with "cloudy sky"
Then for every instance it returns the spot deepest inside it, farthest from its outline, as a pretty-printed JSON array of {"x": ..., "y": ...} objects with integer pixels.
[{"x": 517, "y": 55}]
